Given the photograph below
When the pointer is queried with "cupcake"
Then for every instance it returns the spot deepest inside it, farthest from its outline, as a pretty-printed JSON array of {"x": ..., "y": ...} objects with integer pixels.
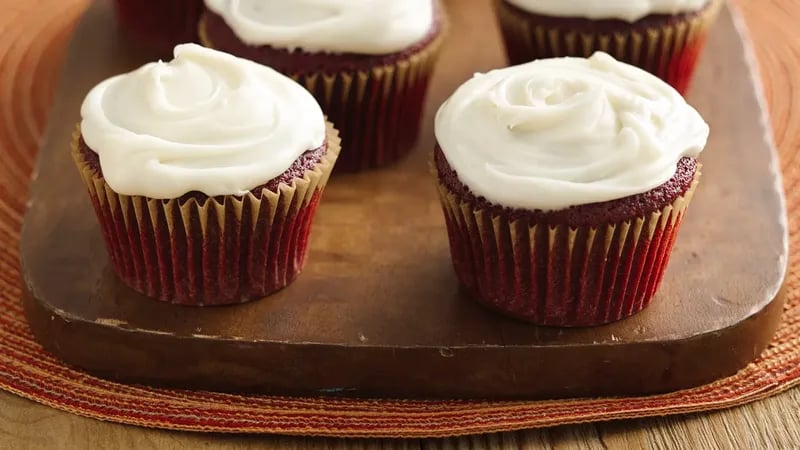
[
  {"x": 204, "y": 173},
  {"x": 663, "y": 37},
  {"x": 563, "y": 183},
  {"x": 159, "y": 24},
  {"x": 367, "y": 62}
]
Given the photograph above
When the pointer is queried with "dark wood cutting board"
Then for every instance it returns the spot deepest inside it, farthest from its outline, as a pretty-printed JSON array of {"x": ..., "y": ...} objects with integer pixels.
[{"x": 378, "y": 310}]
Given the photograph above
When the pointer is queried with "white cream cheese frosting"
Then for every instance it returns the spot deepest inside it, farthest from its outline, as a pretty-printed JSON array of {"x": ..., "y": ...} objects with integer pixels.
[
  {"x": 373, "y": 27},
  {"x": 205, "y": 121},
  {"x": 562, "y": 132},
  {"x": 628, "y": 10}
]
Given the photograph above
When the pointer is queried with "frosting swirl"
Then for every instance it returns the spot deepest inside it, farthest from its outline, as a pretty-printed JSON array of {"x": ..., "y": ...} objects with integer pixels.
[
  {"x": 628, "y": 10},
  {"x": 374, "y": 27},
  {"x": 205, "y": 121},
  {"x": 561, "y": 132}
]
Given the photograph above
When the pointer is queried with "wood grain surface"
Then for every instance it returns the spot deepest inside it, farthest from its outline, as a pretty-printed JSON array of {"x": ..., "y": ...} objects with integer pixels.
[{"x": 32, "y": 38}]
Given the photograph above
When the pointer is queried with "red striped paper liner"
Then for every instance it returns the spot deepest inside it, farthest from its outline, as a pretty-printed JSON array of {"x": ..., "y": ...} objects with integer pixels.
[
  {"x": 667, "y": 46},
  {"x": 561, "y": 275},
  {"x": 159, "y": 24},
  {"x": 215, "y": 251},
  {"x": 378, "y": 111}
]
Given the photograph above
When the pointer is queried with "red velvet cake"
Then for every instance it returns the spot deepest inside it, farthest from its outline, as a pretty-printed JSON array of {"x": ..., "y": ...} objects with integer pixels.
[
  {"x": 160, "y": 24},
  {"x": 552, "y": 267},
  {"x": 665, "y": 44},
  {"x": 228, "y": 263},
  {"x": 563, "y": 184},
  {"x": 373, "y": 93},
  {"x": 205, "y": 174}
]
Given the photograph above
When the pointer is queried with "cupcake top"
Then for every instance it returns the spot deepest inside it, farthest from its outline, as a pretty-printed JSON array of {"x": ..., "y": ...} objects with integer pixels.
[
  {"x": 205, "y": 121},
  {"x": 562, "y": 132},
  {"x": 372, "y": 27},
  {"x": 628, "y": 10}
]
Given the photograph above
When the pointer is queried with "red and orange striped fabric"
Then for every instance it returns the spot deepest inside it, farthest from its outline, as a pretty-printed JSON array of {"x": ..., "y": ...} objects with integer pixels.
[{"x": 32, "y": 39}]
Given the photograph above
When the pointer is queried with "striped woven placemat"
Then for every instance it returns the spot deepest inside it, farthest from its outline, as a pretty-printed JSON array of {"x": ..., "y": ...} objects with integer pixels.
[{"x": 32, "y": 37}]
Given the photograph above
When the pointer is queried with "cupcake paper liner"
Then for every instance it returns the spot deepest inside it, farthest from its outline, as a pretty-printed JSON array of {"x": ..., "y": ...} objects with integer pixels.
[
  {"x": 378, "y": 110},
  {"x": 160, "y": 24},
  {"x": 667, "y": 46},
  {"x": 561, "y": 275},
  {"x": 219, "y": 250}
]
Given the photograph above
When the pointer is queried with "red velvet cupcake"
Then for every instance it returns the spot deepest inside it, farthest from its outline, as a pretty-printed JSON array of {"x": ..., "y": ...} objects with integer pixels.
[
  {"x": 205, "y": 174},
  {"x": 665, "y": 38},
  {"x": 563, "y": 184},
  {"x": 159, "y": 24},
  {"x": 367, "y": 63}
]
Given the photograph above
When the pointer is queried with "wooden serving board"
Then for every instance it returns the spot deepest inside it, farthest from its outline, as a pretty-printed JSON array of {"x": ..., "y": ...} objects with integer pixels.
[{"x": 378, "y": 310}]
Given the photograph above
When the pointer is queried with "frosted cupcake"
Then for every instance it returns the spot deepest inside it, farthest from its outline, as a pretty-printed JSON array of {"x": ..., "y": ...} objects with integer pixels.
[
  {"x": 205, "y": 173},
  {"x": 664, "y": 37},
  {"x": 367, "y": 62},
  {"x": 563, "y": 183}
]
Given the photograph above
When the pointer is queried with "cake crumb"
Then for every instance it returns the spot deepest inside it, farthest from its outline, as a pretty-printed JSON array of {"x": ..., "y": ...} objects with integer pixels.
[
  {"x": 446, "y": 352},
  {"x": 110, "y": 322}
]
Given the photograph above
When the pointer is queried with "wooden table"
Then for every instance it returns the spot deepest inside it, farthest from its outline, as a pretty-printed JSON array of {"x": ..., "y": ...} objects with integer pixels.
[{"x": 33, "y": 34}]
